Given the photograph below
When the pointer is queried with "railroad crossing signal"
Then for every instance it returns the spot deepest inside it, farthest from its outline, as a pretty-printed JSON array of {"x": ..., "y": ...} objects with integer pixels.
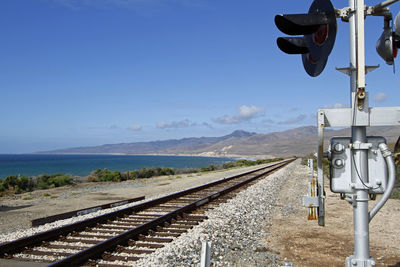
[
  {"x": 360, "y": 166},
  {"x": 389, "y": 42},
  {"x": 386, "y": 46},
  {"x": 319, "y": 29}
]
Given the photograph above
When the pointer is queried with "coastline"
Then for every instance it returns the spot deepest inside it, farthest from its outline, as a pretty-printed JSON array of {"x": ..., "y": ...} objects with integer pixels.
[
  {"x": 34, "y": 164},
  {"x": 285, "y": 232},
  {"x": 202, "y": 155},
  {"x": 17, "y": 185},
  {"x": 209, "y": 154},
  {"x": 18, "y": 210}
]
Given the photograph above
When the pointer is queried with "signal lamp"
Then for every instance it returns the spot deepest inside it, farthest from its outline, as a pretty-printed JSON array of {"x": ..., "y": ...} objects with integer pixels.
[
  {"x": 386, "y": 46},
  {"x": 318, "y": 28}
]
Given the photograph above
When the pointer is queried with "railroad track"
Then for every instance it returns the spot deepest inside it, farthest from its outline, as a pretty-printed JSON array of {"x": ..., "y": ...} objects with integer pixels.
[{"x": 124, "y": 236}]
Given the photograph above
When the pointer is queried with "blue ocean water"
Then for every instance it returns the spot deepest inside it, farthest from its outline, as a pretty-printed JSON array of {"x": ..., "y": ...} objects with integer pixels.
[{"x": 83, "y": 164}]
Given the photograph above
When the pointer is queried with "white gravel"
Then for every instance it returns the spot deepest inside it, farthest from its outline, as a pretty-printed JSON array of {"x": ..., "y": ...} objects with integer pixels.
[
  {"x": 16, "y": 234},
  {"x": 235, "y": 229},
  {"x": 7, "y": 237},
  {"x": 31, "y": 231}
]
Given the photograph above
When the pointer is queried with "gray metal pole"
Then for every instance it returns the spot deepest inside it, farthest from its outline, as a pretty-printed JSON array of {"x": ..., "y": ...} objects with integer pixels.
[
  {"x": 384, "y": 4},
  {"x": 361, "y": 255},
  {"x": 205, "y": 254},
  {"x": 360, "y": 209}
]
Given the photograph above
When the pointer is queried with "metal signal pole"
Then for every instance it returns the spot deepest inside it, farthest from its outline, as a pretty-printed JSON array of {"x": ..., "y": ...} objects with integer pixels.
[
  {"x": 359, "y": 107},
  {"x": 360, "y": 167}
]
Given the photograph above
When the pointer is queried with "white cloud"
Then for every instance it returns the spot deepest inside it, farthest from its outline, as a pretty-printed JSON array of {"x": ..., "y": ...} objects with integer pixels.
[
  {"x": 340, "y": 105},
  {"x": 295, "y": 120},
  {"x": 248, "y": 112},
  {"x": 135, "y": 128},
  {"x": 174, "y": 124},
  {"x": 244, "y": 113},
  {"x": 380, "y": 97},
  {"x": 269, "y": 121},
  {"x": 206, "y": 124},
  {"x": 337, "y": 105}
]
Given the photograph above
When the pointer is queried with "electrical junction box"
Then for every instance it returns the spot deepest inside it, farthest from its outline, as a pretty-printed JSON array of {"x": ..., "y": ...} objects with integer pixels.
[{"x": 342, "y": 165}]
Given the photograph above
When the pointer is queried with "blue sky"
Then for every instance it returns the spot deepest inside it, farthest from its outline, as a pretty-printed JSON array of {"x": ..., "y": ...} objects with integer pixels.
[{"x": 91, "y": 72}]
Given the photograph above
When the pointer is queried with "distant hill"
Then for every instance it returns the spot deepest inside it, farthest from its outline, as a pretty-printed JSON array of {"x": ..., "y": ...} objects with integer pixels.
[{"x": 298, "y": 141}]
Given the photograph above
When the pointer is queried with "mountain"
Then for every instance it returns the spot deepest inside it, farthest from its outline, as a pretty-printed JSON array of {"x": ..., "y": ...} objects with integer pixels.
[
  {"x": 299, "y": 141},
  {"x": 173, "y": 146}
]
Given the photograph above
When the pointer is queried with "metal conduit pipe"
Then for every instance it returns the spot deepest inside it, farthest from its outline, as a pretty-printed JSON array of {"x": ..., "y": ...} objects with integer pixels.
[{"x": 391, "y": 180}]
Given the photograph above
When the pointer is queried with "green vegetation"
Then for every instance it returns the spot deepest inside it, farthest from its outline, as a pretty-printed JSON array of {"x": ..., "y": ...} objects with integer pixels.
[
  {"x": 55, "y": 180},
  {"x": 238, "y": 163},
  {"x": 116, "y": 176},
  {"x": 19, "y": 184},
  {"x": 105, "y": 175},
  {"x": 396, "y": 191}
]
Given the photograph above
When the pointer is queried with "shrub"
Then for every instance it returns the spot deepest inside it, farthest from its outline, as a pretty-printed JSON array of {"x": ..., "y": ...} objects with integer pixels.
[
  {"x": 395, "y": 194},
  {"x": 17, "y": 184},
  {"x": 93, "y": 176},
  {"x": 45, "y": 181},
  {"x": 124, "y": 176},
  {"x": 105, "y": 176},
  {"x": 42, "y": 181},
  {"x": 18, "y": 190},
  {"x": 145, "y": 173},
  {"x": 166, "y": 171},
  {"x": 30, "y": 185},
  {"x": 133, "y": 175},
  {"x": 60, "y": 180},
  {"x": 42, "y": 185},
  {"x": 186, "y": 170},
  {"x": 114, "y": 176},
  {"x": 10, "y": 181},
  {"x": 228, "y": 165},
  {"x": 396, "y": 191}
]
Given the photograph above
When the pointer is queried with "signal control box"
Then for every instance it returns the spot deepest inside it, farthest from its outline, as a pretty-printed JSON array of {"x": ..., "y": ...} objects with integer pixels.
[{"x": 343, "y": 164}]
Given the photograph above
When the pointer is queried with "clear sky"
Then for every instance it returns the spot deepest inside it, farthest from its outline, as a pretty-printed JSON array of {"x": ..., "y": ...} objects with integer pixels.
[{"x": 91, "y": 72}]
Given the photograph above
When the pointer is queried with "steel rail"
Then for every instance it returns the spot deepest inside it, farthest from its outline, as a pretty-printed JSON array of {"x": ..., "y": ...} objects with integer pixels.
[
  {"x": 110, "y": 244},
  {"x": 22, "y": 243},
  {"x": 70, "y": 214}
]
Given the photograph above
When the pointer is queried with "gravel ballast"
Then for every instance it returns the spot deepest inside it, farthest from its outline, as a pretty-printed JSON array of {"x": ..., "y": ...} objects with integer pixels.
[
  {"x": 236, "y": 230},
  {"x": 17, "y": 211},
  {"x": 17, "y": 232},
  {"x": 264, "y": 225}
]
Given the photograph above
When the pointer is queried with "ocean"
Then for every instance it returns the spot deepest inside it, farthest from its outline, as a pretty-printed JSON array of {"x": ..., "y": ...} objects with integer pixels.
[{"x": 84, "y": 164}]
